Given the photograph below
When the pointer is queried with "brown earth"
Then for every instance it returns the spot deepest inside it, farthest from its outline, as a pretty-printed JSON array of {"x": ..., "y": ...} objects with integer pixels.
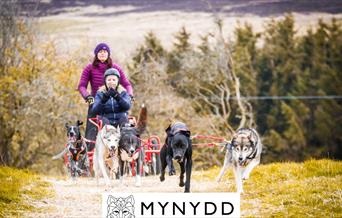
[{"x": 82, "y": 198}]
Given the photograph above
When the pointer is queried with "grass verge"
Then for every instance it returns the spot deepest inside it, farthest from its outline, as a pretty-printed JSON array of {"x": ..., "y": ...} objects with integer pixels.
[
  {"x": 309, "y": 189},
  {"x": 19, "y": 190}
]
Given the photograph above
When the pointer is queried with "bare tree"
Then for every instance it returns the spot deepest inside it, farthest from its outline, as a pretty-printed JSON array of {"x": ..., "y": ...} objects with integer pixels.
[
  {"x": 9, "y": 33},
  {"x": 209, "y": 79}
]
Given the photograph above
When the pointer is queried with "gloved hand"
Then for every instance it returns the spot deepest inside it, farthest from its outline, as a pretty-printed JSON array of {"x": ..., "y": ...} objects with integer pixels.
[
  {"x": 115, "y": 94},
  {"x": 105, "y": 97},
  {"x": 90, "y": 99}
]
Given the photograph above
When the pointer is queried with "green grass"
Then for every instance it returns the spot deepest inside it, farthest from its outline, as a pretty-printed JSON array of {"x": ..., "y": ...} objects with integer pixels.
[
  {"x": 18, "y": 188},
  {"x": 309, "y": 189}
]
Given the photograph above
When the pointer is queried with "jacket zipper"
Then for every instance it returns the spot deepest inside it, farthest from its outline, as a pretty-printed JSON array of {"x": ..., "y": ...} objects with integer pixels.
[{"x": 111, "y": 98}]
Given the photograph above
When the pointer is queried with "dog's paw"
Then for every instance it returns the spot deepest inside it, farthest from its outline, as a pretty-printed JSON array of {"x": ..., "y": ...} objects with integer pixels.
[
  {"x": 218, "y": 179},
  {"x": 181, "y": 184},
  {"x": 108, "y": 185},
  {"x": 138, "y": 181},
  {"x": 162, "y": 178},
  {"x": 73, "y": 181},
  {"x": 245, "y": 177},
  {"x": 240, "y": 191},
  {"x": 107, "y": 188},
  {"x": 171, "y": 173}
]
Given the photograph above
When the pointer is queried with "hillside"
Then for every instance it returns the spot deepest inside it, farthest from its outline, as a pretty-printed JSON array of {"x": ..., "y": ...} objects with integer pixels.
[
  {"x": 288, "y": 66},
  {"x": 123, "y": 24}
]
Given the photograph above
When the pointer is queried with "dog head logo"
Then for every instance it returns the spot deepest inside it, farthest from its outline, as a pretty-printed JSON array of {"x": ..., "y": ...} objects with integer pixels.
[
  {"x": 243, "y": 145},
  {"x": 73, "y": 131},
  {"x": 120, "y": 207},
  {"x": 110, "y": 136}
]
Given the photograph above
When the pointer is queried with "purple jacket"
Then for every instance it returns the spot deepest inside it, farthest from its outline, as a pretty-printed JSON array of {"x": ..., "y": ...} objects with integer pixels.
[{"x": 95, "y": 77}]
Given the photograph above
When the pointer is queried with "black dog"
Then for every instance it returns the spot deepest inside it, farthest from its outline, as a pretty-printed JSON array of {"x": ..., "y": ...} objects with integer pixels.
[
  {"x": 130, "y": 150},
  {"x": 177, "y": 146},
  {"x": 77, "y": 151}
]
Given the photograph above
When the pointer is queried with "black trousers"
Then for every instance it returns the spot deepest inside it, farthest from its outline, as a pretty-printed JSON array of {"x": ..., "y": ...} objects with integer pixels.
[{"x": 91, "y": 130}]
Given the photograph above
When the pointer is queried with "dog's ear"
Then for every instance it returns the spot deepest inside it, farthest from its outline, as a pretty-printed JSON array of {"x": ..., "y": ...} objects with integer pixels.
[
  {"x": 67, "y": 126},
  {"x": 111, "y": 199},
  {"x": 235, "y": 136},
  {"x": 168, "y": 129},
  {"x": 79, "y": 123},
  {"x": 118, "y": 129},
  {"x": 251, "y": 138},
  {"x": 130, "y": 199}
]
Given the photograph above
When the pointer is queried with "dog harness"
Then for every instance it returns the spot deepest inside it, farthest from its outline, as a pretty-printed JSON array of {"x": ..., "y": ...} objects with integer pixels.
[
  {"x": 75, "y": 151},
  {"x": 177, "y": 127}
]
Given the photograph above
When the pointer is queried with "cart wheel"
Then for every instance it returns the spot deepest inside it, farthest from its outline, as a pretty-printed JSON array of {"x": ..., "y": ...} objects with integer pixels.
[{"x": 155, "y": 160}]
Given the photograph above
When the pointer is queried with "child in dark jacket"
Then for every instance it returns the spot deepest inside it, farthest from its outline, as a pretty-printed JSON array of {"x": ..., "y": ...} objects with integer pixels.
[
  {"x": 112, "y": 101},
  {"x": 93, "y": 73}
]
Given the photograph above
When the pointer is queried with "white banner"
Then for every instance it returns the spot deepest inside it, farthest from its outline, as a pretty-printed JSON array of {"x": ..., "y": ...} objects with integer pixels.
[{"x": 167, "y": 205}]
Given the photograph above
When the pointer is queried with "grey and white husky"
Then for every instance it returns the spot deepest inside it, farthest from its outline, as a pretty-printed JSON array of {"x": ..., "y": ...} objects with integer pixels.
[
  {"x": 243, "y": 154},
  {"x": 107, "y": 143}
]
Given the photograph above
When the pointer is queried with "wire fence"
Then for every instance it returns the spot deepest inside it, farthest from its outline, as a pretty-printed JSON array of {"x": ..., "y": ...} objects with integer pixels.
[{"x": 306, "y": 97}]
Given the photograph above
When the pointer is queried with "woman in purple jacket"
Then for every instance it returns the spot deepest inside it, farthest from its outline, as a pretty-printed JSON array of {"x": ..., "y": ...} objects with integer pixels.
[{"x": 93, "y": 73}]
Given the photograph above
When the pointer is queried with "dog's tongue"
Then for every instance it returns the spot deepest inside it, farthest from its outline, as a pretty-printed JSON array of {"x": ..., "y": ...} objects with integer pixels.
[
  {"x": 72, "y": 139},
  {"x": 179, "y": 161},
  {"x": 242, "y": 163}
]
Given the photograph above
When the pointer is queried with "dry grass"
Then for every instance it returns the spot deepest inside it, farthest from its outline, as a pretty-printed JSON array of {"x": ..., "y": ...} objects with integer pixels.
[
  {"x": 309, "y": 189},
  {"x": 19, "y": 191},
  {"x": 125, "y": 32}
]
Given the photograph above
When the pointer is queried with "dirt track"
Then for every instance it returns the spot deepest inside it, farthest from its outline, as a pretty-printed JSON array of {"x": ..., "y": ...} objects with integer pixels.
[{"x": 82, "y": 198}]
